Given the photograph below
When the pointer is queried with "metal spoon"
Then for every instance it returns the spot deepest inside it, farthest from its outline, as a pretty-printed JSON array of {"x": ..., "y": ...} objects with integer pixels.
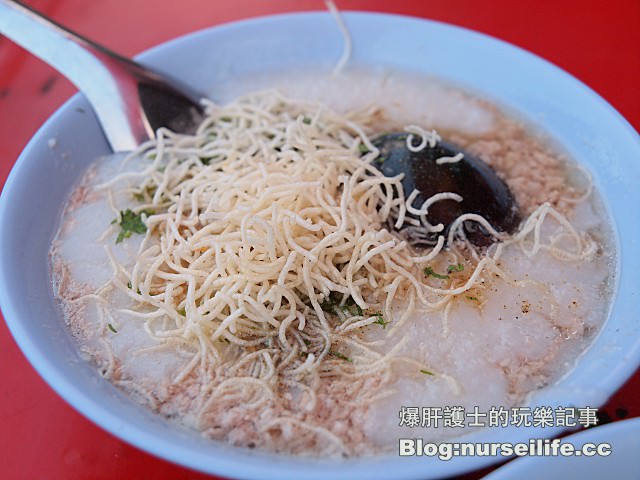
[{"x": 131, "y": 101}]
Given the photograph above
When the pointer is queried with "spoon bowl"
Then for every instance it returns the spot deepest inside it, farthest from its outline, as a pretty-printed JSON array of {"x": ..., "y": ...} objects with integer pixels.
[{"x": 437, "y": 167}]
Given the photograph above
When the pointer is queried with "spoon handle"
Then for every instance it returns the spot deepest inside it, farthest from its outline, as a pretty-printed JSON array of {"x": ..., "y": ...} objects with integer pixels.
[{"x": 126, "y": 97}]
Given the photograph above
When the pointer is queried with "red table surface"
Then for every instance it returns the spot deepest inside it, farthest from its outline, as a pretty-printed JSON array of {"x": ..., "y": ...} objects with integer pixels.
[{"x": 41, "y": 437}]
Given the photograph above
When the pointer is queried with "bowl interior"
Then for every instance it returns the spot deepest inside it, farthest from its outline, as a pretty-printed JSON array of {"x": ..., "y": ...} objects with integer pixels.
[{"x": 580, "y": 121}]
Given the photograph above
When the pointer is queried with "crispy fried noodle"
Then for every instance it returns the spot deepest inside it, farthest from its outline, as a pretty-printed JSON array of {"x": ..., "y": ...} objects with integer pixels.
[{"x": 267, "y": 262}]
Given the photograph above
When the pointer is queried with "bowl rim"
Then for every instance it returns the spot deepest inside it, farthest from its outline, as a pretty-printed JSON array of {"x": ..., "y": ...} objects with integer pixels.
[{"x": 233, "y": 465}]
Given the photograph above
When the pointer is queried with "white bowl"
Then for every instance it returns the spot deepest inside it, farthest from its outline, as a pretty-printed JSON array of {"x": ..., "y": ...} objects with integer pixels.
[{"x": 578, "y": 119}]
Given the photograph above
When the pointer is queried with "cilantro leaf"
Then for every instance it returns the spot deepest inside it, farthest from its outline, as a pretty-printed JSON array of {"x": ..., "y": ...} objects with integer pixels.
[
  {"x": 341, "y": 356},
  {"x": 131, "y": 222},
  {"x": 455, "y": 268},
  {"x": 380, "y": 320},
  {"x": 430, "y": 273}
]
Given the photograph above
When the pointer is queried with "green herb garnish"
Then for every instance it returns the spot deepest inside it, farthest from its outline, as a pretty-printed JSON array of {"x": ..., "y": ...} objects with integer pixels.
[
  {"x": 183, "y": 311},
  {"x": 427, "y": 372},
  {"x": 362, "y": 148},
  {"x": 430, "y": 273},
  {"x": 475, "y": 299},
  {"x": 455, "y": 268},
  {"x": 380, "y": 320},
  {"x": 306, "y": 121},
  {"x": 111, "y": 327},
  {"x": 131, "y": 222},
  {"x": 341, "y": 356},
  {"x": 226, "y": 119}
]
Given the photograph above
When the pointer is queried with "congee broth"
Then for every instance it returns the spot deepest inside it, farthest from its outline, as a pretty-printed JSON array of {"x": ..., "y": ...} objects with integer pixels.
[{"x": 248, "y": 283}]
